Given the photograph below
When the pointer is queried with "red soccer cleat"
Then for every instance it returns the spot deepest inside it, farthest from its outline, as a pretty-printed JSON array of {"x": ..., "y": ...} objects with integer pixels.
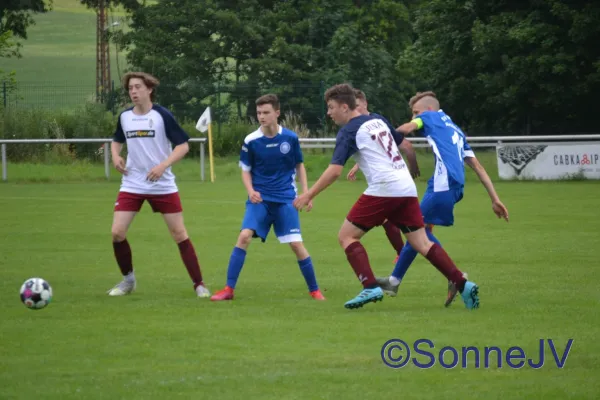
[
  {"x": 317, "y": 295},
  {"x": 224, "y": 294}
]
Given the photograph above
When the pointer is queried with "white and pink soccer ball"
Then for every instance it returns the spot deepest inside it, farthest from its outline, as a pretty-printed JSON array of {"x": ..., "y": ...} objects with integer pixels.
[{"x": 36, "y": 293}]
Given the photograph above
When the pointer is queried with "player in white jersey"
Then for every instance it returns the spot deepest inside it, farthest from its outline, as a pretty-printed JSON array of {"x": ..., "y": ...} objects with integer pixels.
[
  {"x": 391, "y": 194},
  {"x": 155, "y": 142},
  {"x": 391, "y": 231}
]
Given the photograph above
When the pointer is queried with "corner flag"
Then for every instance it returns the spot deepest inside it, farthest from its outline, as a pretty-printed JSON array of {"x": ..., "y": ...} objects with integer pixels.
[{"x": 204, "y": 124}]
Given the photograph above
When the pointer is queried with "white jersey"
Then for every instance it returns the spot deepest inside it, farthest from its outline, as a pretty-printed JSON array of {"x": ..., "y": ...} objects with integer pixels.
[
  {"x": 149, "y": 139},
  {"x": 372, "y": 142}
]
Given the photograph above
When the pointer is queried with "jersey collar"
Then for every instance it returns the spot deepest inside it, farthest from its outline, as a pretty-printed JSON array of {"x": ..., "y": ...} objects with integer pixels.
[{"x": 279, "y": 130}]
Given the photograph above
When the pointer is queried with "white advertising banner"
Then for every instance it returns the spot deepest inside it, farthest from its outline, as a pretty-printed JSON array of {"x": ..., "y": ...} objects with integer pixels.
[{"x": 548, "y": 161}]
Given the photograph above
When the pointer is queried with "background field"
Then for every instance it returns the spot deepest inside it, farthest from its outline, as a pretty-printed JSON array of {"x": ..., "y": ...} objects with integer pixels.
[
  {"x": 537, "y": 274},
  {"x": 58, "y": 67}
]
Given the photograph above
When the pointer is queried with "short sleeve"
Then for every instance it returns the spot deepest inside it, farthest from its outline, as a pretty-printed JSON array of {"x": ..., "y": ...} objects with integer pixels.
[
  {"x": 345, "y": 147},
  {"x": 298, "y": 151},
  {"x": 119, "y": 135},
  {"x": 246, "y": 157},
  {"x": 468, "y": 151},
  {"x": 174, "y": 131}
]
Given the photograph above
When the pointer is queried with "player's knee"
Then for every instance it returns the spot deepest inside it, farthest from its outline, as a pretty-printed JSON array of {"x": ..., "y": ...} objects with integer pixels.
[
  {"x": 420, "y": 242},
  {"x": 179, "y": 233},
  {"x": 296, "y": 246},
  {"x": 118, "y": 234},
  {"x": 245, "y": 238},
  {"x": 345, "y": 240},
  {"x": 299, "y": 249}
]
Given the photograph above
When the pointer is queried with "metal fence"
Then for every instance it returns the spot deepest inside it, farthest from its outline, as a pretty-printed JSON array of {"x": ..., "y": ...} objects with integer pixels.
[{"x": 308, "y": 143}]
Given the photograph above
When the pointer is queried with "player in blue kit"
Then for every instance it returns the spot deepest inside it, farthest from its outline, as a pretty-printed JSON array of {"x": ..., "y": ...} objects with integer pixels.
[
  {"x": 446, "y": 187},
  {"x": 270, "y": 160}
]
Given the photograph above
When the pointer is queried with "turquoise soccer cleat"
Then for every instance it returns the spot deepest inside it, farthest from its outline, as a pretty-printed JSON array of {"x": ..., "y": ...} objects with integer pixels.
[
  {"x": 470, "y": 295},
  {"x": 364, "y": 297}
]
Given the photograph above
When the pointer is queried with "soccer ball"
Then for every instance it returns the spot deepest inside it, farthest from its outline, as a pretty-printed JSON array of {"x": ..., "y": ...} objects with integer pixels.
[{"x": 36, "y": 293}]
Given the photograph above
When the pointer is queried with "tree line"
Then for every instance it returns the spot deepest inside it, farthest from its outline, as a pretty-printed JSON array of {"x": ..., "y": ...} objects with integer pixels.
[{"x": 497, "y": 66}]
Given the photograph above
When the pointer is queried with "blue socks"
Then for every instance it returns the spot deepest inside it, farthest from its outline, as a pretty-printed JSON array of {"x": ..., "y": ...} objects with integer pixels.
[
  {"x": 236, "y": 262},
  {"x": 407, "y": 256},
  {"x": 308, "y": 272}
]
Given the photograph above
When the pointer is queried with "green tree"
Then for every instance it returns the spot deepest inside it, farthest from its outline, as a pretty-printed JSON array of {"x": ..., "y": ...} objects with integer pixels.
[
  {"x": 248, "y": 47},
  {"x": 510, "y": 67},
  {"x": 16, "y": 16}
]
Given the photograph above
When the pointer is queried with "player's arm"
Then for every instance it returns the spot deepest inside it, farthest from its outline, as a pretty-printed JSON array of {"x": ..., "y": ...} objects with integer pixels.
[
  {"x": 330, "y": 175},
  {"x": 352, "y": 173},
  {"x": 300, "y": 168},
  {"x": 246, "y": 164},
  {"x": 409, "y": 151},
  {"x": 411, "y": 126},
  {"x": 178, "y": 138},
  {"x": 116, "y": 147},
  {"x": 499, "y": 208},
  {"x": 301, "y": 174},
  {"x": 344, "y": 148},
  {"x": 253, "y": 195},
  {"x": 177, "y": 154}
]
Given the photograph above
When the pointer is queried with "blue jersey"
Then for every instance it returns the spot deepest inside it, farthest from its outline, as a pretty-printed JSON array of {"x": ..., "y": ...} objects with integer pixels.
[
  {"x": 272, "y": 163},
  {"x": 449, "y": 146}
]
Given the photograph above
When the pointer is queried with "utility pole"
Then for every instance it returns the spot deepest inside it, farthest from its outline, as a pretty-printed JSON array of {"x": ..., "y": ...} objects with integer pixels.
[{"x": 103, "y": 82}]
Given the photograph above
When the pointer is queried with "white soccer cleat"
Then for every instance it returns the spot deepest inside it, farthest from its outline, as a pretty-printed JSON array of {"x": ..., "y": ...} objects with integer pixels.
[
  {"x": 202, "y": 291},
  {"x": 123, "y": 288}
]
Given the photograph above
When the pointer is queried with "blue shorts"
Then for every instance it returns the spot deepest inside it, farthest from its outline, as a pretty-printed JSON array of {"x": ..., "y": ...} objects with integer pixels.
[
  {"x": 438, "y": 207},
  {"x": 283, "y": 216}
]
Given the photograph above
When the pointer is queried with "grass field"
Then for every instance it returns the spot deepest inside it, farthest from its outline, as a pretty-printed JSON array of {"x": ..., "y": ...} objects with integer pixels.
[
  {"x": 538, "y": 279},
  {"x": 58, "y": 67}
]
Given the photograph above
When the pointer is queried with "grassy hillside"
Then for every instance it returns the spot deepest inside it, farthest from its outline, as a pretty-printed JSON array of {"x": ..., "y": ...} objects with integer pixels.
[{"x": 58, "y": 67}]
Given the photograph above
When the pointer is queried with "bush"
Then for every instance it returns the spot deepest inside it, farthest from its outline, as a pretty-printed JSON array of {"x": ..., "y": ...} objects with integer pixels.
[
  {"x": 87, "y": 121},
  {"x": 91, "y": 120}
]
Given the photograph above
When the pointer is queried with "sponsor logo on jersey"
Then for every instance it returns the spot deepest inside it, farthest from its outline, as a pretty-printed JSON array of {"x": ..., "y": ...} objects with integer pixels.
[{"x": 140, "y": 134}]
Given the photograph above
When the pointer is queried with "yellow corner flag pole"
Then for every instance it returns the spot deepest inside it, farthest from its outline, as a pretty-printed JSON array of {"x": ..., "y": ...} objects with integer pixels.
[{"x": 204, "y": 124}]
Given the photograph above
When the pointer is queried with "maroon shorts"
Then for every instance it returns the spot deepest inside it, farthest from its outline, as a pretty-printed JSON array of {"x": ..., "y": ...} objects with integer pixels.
[
  {"x": 371, "y": 211},
  {"x": 162, "y": 203}
]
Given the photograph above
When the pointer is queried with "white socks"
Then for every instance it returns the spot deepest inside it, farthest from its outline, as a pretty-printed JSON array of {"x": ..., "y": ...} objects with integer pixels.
[{"x": 394, "y": 281}]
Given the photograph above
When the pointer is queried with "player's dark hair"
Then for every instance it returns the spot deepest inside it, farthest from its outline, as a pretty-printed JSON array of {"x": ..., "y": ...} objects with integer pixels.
[
  {"x": 360, "y": 95},
  {"x": 343, "y": 94},
  {"x": 419, "y": 96},
  {"x": 150, "y": 81},
  {"x": 270, "y": 98}
]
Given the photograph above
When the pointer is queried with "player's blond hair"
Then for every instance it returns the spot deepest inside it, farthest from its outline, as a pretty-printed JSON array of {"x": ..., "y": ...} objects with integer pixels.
[
  {"x": 429, "y": 96},
  {"x": 150, "y": 81},
  {"x": 343, "y": 94}
]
